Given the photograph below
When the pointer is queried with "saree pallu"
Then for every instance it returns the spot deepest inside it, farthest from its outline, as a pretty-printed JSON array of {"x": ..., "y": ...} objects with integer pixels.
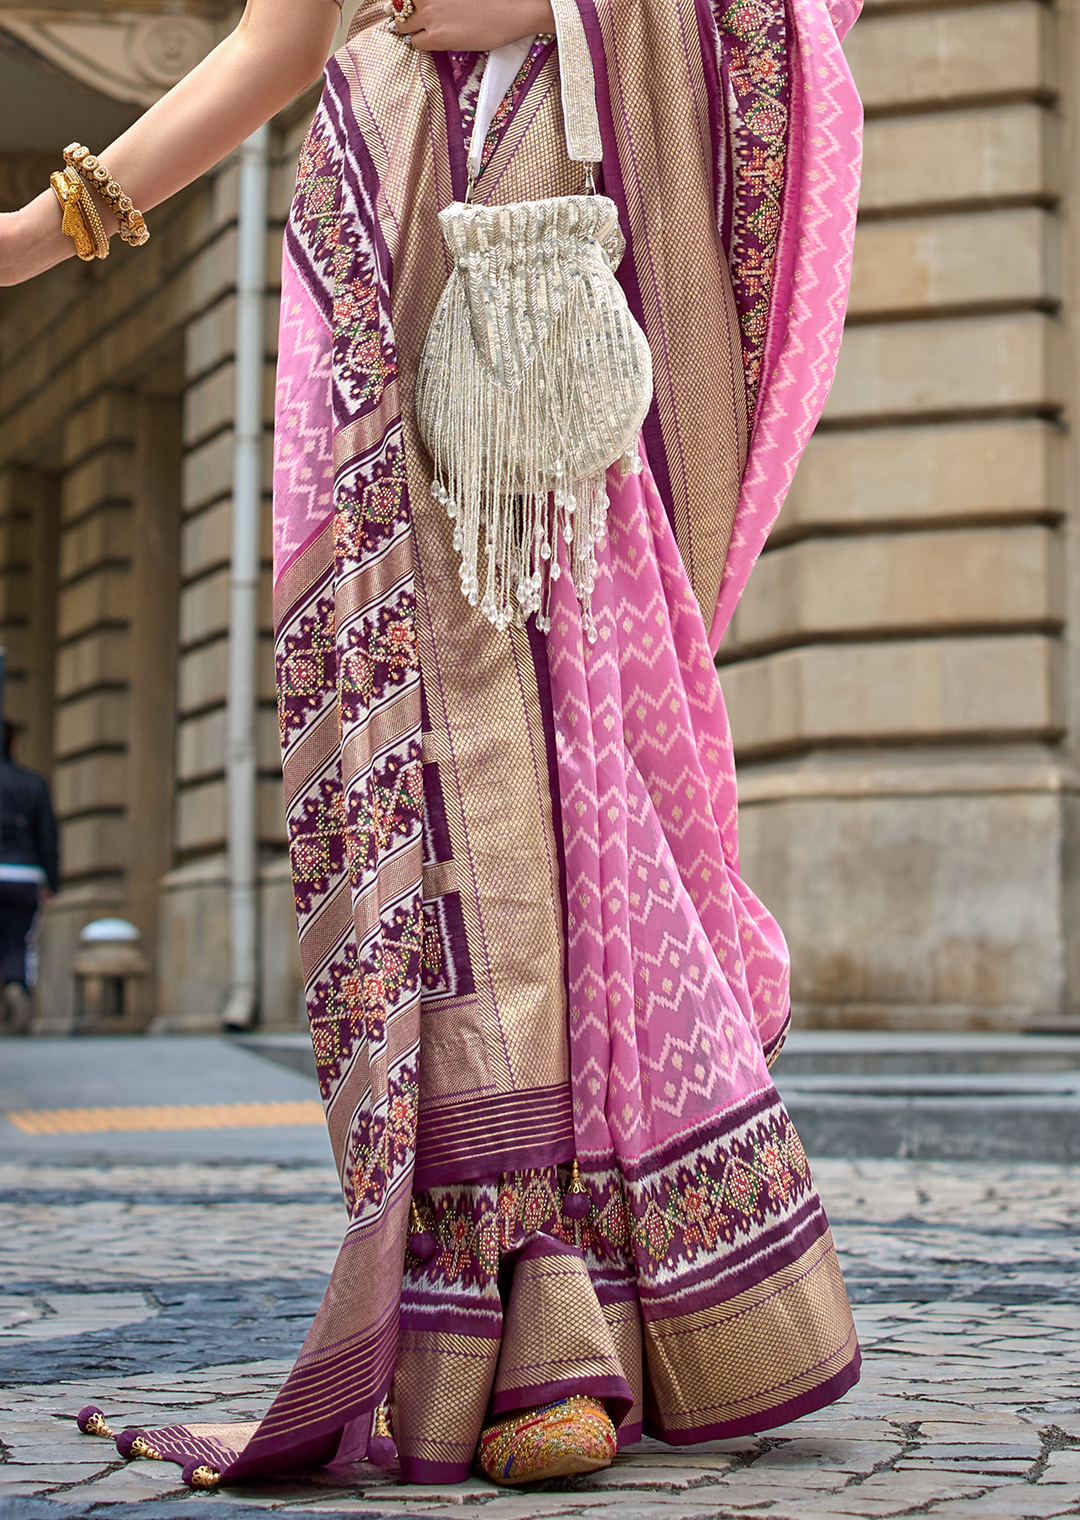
[{"x": 524, "y": 935}]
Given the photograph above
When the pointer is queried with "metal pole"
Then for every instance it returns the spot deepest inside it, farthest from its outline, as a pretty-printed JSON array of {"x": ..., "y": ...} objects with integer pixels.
[{"x": 241, "y": 752}]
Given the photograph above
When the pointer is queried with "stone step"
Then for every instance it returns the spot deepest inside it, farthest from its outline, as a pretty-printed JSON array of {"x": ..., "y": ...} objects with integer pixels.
[
  {"x": 869, "y": 1093},
  {"x": 945, "y": 1097},
  {"x": 884, "y": 1052}
]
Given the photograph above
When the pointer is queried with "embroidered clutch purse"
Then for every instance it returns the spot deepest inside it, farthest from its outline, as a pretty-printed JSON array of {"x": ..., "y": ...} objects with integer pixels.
[{"x": 535, "y": 377}]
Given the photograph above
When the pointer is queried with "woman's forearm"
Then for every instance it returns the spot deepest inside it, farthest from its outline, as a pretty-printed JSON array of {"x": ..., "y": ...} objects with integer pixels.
[
  {"x": 278, "y": 49},
  {"x": 247, "y": 78}
]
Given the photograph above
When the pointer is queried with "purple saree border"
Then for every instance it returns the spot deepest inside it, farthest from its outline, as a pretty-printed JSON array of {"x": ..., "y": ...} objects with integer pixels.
[
  {"x": 740, "y": 1269},
  {"x": 542, "y": 670},
  {"x": 628, "y": 275},
  {"x": 455, "y": 135},
  {"x": 613, "y": 1391},
  {"x": 787, "y": 238},
  {"x": 444, "y": 1154},
  {"x": 675, "y": 1149},
  {"x": 709, "y": 35},
  {"x": 794, "y": 1408},
  {"x": 455, "y": 132}
]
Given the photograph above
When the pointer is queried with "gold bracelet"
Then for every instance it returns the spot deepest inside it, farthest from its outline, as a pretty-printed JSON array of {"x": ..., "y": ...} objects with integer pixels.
[
  {"x": 90, "y": 213},
  {"x": 133, "y": 228},
  {"x": 74, "y": 224}
]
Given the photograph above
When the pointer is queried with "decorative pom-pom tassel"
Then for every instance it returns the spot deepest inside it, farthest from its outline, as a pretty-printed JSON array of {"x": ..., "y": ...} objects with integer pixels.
[
  {"x": 199, "y": 1475},
  {"x": 381, "y": 1451},
  {"x": 91, "y": 1421},
  {"x": 576, "y": 1203},
  {"x": 422, "y": 1243},
  {"x": 132, "y": 1444}
]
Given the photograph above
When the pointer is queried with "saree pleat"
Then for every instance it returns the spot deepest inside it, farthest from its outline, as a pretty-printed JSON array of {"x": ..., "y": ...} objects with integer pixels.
[{"x": 523, "y": 930}]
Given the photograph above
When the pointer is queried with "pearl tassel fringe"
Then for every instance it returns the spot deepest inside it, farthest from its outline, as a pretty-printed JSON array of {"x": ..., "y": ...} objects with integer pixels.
[{"x": 534, "y": 378}]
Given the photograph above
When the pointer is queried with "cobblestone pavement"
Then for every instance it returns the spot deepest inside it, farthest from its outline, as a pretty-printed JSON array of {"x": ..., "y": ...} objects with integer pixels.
[{"x": 163, "y": 1288}]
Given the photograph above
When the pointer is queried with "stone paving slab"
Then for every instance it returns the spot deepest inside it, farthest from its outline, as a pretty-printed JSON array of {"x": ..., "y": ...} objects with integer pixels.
[{"x": 965, "y": 1279}]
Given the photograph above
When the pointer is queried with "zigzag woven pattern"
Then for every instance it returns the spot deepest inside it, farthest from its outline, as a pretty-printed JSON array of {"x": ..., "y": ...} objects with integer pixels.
[
  {"x": 810, "y": 291},
  {"x": 678, "y": 975}
]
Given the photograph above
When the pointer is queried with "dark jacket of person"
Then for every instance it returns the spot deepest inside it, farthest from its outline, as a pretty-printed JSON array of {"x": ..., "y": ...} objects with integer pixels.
[{"x": 27, "y": 822}]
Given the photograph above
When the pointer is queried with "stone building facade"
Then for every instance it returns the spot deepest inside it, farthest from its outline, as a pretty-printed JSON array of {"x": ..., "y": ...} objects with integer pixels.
[{"x": 901, "y": 673}]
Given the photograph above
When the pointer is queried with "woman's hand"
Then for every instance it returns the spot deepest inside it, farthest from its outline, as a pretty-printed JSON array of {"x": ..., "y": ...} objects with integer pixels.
[{"x": 470, "y": 27}]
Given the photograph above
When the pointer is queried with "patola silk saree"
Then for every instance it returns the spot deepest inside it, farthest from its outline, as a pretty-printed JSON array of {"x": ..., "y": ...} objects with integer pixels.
[{"x": 524, "y": 935}]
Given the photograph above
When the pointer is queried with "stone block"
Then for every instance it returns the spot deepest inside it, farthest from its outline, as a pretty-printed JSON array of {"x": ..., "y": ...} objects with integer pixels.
[
  {"x": 104, "y": 477},
  {"x": 915, "y": 264},
  {"x": 208, "y": 403},
  {"x": 270, "y": 812},
  {"x": 109, "y": 417},
  {"x": 281, "y": 977},
  {"x": 912, "y": 474},
  {"x": 939, "y": 158},
  {"x": 204, "y": 607},
  {"x": 201, "y": 744},
  {"x": 951, "y": 54},
  {"x": 212, "y": 273},
  {"x": 210, "y": 337},
  {"x": 207, "y": 470},
  {"x": 93, "y": 845},
  {"x": 103, "y": 597},
  {"x": 902, "y": 369},
  {"x": 203, "y": 676},
  {"x": 98, "y": 659},
  {"x": 85, "y": 722},
  {"x": 90, "y": 781},
  {"x": 201, "y": 814},
  {"x": 898, "y": 690},
  {"x": 1062, "y": 1467},
  {"x": 967, "y": 577},
  {"x": 193, "y": 946},
  {"x": 916, "y": 889},
  {"x": 100, "y": 537},
  {"x": 200, "y": 817},
  {"x": 205, "y": 537},
  {"x": 200, "y": 747}
]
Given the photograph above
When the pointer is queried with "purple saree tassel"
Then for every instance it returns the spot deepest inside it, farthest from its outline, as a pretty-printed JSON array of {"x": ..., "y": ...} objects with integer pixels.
[
  {"x": 576, "y": 1202},
  {"x": 382, "y": 1452},
  {"x": 132, "y": 1443},
  {"x": 422, "y": 1242},
  {"x": 91, "y": 1421}
]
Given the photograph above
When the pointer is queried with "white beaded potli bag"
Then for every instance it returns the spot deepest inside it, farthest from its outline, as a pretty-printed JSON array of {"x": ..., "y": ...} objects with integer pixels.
[{"x": 534, "y": 376}]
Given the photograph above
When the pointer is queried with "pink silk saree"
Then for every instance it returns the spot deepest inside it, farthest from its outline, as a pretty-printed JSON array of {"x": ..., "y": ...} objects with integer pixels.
[{"x": 524, "y": 934}]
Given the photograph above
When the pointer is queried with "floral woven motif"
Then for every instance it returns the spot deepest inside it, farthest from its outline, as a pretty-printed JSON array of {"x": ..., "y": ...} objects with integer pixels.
[{"x": 754, "y": 54}]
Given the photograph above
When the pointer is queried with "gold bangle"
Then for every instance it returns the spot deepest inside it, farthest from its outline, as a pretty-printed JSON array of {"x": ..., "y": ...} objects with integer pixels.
[
  {"x": 133, "y": 228},
  {"x": 74, "y": 224},
  {"x": 90, "y": 213}
]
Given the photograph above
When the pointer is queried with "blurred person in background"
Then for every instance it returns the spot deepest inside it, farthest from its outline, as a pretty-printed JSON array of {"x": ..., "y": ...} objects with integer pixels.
[{"x": 29, "y": 867}]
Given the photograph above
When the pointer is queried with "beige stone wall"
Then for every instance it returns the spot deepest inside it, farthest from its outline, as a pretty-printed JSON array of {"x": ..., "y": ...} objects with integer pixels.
[
  {"x": 116, "y": 395},
  {"x": 901, "y": 672}
]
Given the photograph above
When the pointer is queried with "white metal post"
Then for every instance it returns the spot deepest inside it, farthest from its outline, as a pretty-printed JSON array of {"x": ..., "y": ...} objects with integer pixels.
[{"x": 241, "y": 744}]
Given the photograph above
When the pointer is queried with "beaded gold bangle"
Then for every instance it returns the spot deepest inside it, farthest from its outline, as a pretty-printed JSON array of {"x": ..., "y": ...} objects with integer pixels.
[
  {"x": 133, "y": 228},
  {"x": 74, "y": 224}
]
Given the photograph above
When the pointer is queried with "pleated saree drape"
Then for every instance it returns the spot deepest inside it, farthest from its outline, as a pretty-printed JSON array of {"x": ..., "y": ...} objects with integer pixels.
[{"x": 523, "y": 930}]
